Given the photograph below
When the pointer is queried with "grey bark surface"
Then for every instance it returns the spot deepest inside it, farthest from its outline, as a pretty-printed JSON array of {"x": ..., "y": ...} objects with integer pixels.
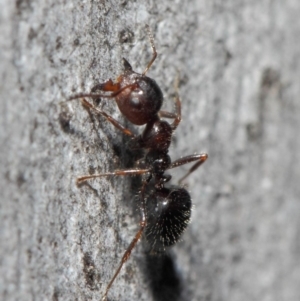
[{"x": 239, "y": 83}]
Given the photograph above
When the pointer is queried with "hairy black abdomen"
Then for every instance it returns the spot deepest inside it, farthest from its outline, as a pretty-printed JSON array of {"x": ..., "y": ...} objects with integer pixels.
[{"x": 168, "y": 214}]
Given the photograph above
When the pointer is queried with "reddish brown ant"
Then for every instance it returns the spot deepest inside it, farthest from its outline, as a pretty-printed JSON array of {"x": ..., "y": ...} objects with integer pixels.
[{"x": 165, "y": 211}]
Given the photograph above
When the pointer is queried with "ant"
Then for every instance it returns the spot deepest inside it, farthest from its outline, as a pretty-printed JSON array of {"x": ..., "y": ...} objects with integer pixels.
[{"x": 165, "y": 211}]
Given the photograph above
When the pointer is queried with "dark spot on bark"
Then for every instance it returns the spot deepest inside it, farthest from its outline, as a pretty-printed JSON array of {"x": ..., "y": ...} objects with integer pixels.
[
  {"x": 251, "y": 232},
  {"x": 44, "y": 175},
  {"x": 129, "y": 273},
  {"x": 29, "y": 255},
  {"x": 226, "y": 53},
  {"x": 92, "y": 169},
  {"x": 123, "y": 3},
  {"x": 31, "y": 134},
  {"x": 32, "y": 34},
  {"x": 90, "y": 274},
  {"x": 228, "y": 56},
  {"x": 76, "y": 42},
  {"x": 126, "y": 36},
  {"x": 20, "y": 179},
  {"x": 7, "y": 175},
  {"x": 270, "y": 91},
  {"x": 50, "y": 58},
  {"x": 234, "y": 237},
  {"x": 215, "y": 199},
  {"x": 237, "y": 257},
  {"x": 253, "y": 131},
  {"x": 64, "y": 120},
  {"x": 22, "y": 5},
  {"x": 58, "y": 43},
  {"x": 233, "y": 283},
  {"x": 55, "y": 295},
  {"x": 270, "y": 78}
]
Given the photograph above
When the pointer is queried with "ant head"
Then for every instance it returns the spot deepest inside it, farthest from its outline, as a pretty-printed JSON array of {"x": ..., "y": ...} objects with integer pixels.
[{"x": 141, "y": 98}]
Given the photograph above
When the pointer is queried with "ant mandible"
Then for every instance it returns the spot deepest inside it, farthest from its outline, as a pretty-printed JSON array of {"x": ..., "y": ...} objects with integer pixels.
[{"x": 165, "y": 211}]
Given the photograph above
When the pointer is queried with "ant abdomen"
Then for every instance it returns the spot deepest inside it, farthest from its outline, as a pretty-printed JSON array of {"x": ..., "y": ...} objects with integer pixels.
[
  {"x": 141, "y": 100},
  {"x": 168, "y": 214}
]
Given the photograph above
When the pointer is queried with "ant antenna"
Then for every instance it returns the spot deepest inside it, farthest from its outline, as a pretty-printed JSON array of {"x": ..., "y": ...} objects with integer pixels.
[
  {"x": 153, "y": 49},
  {"x": 177, "y": 118}
]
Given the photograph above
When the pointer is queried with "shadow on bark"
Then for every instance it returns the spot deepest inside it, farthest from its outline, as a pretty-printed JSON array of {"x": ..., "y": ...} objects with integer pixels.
[{"x": 163, "y": 277}]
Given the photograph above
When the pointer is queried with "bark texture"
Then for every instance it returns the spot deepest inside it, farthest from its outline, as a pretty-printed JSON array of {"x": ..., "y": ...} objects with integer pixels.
[{"x": 239, "y": 83}]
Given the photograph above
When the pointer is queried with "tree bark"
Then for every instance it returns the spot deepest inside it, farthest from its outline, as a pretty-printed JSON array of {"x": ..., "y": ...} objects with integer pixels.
[{"x": 239, "y": 71}]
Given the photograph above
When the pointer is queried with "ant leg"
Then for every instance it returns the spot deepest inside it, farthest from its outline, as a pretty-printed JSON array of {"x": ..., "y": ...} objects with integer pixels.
[
  {"x": 177, "y": 115},
  {"x": 188, "y": 159},
  {"x": 177, "y": 120},
  {"x": 166, "y": 114},
  {"x": 126, "y": 172},
  {"x": 126, "y": 255},
  {"x": 107, "y": 86},
  {"x": 133, "y": 243},
  {"x": 153, "y": 49},
  {"x": 113, "y": 121},
  {"x": 99, "y": 95},
  {"x": 201, "y": 158}
]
